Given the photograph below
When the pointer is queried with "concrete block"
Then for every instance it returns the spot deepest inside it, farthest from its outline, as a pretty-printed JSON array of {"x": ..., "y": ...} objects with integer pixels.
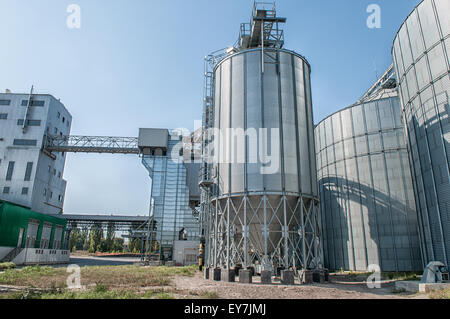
[
  {"x": 211, "y": 273},
  {"x": 287, "y": 277},
  {"x": 319, "y": 276},
  {"x": 245, "y": 276},
  {"x": 266, "y": 277},
  {"x": 417, "y": 286},
  {"x": 306, "y": 277},
  {"x": 228, "y": 275},
  {"x": 217, "y": 272},
  {"x": 278, "y": 271},
  {"x": 326, "y": 274},
  {"x": 206, "y": 273}
]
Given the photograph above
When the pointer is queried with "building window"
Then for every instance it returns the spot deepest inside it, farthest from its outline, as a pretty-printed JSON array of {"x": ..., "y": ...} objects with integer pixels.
[
  {"x": 24, "y": 190},
  {"x": 25, "y": 142},
  {"x": 3, "y": 116},
  {"x": 56, "y": 130},
  {"x": 30, "y": 122},
  {"x": 10, "y": 171},
  {"x": 6, "y": 190},
  {"x": 59, "y": 174},
  {"x": 45, "y": 191},
  {"x": 33, "y": 103},
  {"x": 64, "y": 119},
  {"x": 60, "y": 198},
  {"x": 5, "y": 102},
  {"x": 28, "y": 171},
  {"x": 59, "y": 115}
]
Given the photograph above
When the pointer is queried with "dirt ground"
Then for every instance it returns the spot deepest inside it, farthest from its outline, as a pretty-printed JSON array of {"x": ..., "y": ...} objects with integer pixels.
[
  {"x": 340, "y": 287},
  {"x": 188, "y": 283}
]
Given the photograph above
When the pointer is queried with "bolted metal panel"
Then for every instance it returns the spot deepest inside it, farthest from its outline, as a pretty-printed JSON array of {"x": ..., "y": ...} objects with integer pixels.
[
  {"x": 247, "y": 100},
  {"x": 264, "y": 218},
  {"x": 366, "y": 192},
  {"x": 421, "y": 59}
]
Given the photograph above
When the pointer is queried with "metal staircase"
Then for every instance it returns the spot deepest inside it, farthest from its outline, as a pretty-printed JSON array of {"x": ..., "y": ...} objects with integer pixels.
[{"x": 12, "y": 254}]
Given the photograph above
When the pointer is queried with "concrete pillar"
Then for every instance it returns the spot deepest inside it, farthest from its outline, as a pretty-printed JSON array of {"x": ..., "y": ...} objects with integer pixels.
[
  {"x": 287, "y": 277},
  {"x": 245, "y": 276},
  {"x": 228, "y": 275},
  {"x": 217, "y": 274},
  {"x": 319, "y": 276},
  {"x": 278, "y": 271},
  {"x": 211, "y": 273},
  {"x": 326, "y": 273},
  {"x": 236, "y": 270},
  {"x": 206, "y": 273},
  {"x": 306, "y": 277},
  {"x": 266, "y": 277}
]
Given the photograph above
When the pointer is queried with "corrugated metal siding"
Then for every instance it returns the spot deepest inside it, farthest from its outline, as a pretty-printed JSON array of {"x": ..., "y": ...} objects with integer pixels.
[
  {"x": 421, "y": 59},
  {"x": 367, "y": 199},
  {"x": 14, "y": 217}
]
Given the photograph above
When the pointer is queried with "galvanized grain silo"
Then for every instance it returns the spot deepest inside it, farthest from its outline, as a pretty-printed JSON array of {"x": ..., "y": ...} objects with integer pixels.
[
  {"x": 366, "y": 193},
  {"x": 421, "y": 53},
  {"x": 263, "y": 208}
]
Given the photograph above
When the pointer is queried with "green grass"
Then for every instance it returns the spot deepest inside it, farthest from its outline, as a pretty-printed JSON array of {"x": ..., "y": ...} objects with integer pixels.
[
  {"x": 6, "y": 266},
  {"x": 107, "y": 282},
  {"x": 401, "y": 275},
  {"x": 97, "y": 293},
  {"x": 440, "y": 294},
  {"x": 27, "y": 275}
]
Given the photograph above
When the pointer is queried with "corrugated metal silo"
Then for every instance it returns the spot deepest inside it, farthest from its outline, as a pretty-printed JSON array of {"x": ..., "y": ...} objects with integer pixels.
[
  {"x": 421, "y": 58},
  {"x": 366, "y": 193},
  {"x": 263, "y": 214}
]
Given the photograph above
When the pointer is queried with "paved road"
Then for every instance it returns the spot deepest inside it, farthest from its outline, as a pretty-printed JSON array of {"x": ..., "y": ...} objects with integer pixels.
[{"x": 100, "y": 261}]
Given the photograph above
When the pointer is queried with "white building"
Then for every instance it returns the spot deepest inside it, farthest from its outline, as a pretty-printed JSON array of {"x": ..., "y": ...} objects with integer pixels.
[{"x": 29, "y": 175}]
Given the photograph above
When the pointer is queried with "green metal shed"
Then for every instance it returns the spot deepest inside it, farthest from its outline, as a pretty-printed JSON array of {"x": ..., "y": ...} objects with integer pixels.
[{"x": 14, "y": 223}]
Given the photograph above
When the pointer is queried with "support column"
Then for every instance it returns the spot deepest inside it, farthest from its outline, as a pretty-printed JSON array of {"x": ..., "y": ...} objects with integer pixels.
[
  {"x": 245, "y": 233},
  {"x": 228, "y": 234},
  {"x": 303, "y": 239},
  {"x": 285, "y": 235},
  {"x": 216, "y": 232},
  {"x": 265, "y": 234}
]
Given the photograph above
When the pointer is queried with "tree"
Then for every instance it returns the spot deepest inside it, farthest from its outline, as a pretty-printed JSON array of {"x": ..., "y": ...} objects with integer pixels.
[
  {"x": 110, "y": 236},
  {"x": 77, "y": 239},
  {"x": 135, "y": 245},
  {"x": 117, "y": 245},
  {"x": 95, "y": 238}
]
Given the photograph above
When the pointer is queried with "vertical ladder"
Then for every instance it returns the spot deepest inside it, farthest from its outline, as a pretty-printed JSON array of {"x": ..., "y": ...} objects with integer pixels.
[{"x": 27, "y": 111}]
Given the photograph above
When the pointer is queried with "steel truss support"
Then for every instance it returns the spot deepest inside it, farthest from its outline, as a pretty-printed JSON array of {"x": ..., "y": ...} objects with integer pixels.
[
  {"x": 92, "y": 144},
  {"x": 265, "y": 231}
]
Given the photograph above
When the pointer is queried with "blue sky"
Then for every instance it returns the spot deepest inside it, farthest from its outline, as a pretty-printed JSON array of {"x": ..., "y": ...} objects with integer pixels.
[{"x": 139, "y": 63}]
